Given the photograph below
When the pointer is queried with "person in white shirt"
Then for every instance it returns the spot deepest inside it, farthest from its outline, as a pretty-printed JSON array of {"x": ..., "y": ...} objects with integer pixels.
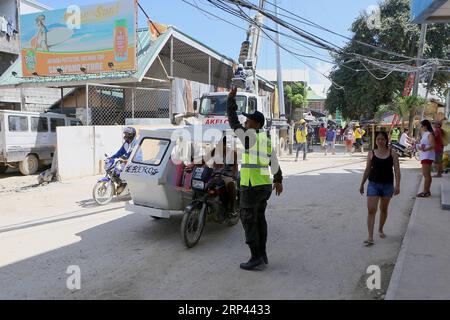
[
  {"x": 427, "y": 156},
  {"x": 405, "y": 140}
]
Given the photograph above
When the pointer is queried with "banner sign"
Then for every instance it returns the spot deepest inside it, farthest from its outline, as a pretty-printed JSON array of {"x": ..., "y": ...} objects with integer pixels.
[
  {"x": 89, "y": 39},
  {"x": 395, "y": 122},
  {"x": 409, "y": 84}
]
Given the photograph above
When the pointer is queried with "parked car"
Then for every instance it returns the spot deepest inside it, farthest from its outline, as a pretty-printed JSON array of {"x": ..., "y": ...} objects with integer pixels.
[{"x": 28, "y": 139}]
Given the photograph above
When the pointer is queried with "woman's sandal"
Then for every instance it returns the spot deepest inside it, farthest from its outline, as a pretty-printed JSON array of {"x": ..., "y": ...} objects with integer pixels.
[
  {"x": 369, "y": 243},
  {"x": 424, "y": 195}
]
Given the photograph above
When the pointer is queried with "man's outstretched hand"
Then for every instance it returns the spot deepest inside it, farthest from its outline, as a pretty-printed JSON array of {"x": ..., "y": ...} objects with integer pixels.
[{"x": 232, "y": 93}]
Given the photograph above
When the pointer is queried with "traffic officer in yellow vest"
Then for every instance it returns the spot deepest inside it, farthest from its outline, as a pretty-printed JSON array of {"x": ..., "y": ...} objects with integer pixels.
[
  {"x": 255, "y": 184},
  {"x": 395, "y": 135}
]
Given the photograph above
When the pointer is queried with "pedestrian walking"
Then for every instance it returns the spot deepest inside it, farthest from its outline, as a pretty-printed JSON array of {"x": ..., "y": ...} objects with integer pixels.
[
  {"x": 301, "y": 135},
  {"x": 427, "y": 156},
  {"x": 311, "y": 137},
  {"x": 380, "y": 189},
  {"x": 331, "y": 140},
  {"x": 338, "y": 133},
  {"x": 322, "y": 135},
  {"x": 349, "y": 139},
  {"x": 255, "y": 185},
  {"x": 438, "y": 148},
  {"x": 359, "y": 133}
]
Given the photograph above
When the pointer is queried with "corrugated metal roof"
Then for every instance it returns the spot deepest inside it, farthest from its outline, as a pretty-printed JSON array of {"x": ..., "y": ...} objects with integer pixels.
[
  {"x": 36, "y": 4},
  {"x": 311, "y": 95},
  {"x": 147, "y": 52}
]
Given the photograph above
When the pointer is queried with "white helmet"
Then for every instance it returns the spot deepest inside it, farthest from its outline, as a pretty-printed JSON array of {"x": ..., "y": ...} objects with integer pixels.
[{"x": 129, "y": 133}]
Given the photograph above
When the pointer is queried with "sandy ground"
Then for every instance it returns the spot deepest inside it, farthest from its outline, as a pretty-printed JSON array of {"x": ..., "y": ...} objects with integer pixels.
[{"x": 316, "y": 229}]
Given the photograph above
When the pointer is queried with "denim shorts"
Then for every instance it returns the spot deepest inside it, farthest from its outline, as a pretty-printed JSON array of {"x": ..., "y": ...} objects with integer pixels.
[{"x": 384, "y": 190}]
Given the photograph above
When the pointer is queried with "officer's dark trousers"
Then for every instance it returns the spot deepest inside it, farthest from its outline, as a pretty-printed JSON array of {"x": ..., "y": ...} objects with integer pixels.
[{"x": 253, "y": 203}]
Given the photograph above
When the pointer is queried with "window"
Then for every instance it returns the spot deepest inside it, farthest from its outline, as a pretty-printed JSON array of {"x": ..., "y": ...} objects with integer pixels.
[
  {"x": 251, "y": 105},
  {"x": 18, "y": 124},
  {"x": 39, "y": 124},
  {"x": 217, "y": 105},
  {"x": 55, "y": 122},
  {"x": 151, "y": 151},
  {"x": 75, "y": 123}
]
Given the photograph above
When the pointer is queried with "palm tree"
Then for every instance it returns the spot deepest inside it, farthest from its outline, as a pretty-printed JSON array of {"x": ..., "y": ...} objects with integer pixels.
[{"x": 403, "y": 106}]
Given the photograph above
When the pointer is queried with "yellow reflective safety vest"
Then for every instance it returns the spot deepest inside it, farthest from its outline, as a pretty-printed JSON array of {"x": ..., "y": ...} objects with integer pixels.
[
  {"x": 301, "y": 134},
  {"x": 255, "y": 162},
  {"x": 394, "y": 135}
]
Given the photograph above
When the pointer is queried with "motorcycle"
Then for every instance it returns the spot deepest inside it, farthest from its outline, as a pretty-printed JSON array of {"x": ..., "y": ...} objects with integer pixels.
[
  {"x": 209, "y": 201},
  {"x": 403, "y": 151},
  {"x": 111, "y": 184}
]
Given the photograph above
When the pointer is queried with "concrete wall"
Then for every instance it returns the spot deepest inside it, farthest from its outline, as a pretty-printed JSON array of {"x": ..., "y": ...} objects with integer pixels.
[{"x": 81, "y": 149}]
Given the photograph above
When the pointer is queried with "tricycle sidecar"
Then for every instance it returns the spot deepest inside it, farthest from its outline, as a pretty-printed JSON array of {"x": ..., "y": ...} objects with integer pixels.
[{"x": 156, "y": 174}]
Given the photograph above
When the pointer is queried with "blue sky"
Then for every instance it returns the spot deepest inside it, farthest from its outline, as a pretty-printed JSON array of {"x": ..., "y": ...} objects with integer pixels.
[{"x": 336, "y": 15}]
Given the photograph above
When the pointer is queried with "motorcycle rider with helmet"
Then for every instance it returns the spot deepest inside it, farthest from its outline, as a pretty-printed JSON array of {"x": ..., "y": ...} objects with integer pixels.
[{"x": 129, "y": 136}]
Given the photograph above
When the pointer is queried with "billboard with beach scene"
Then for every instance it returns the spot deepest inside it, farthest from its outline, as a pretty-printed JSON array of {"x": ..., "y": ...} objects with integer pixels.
[{"x": 89, "y": 39}]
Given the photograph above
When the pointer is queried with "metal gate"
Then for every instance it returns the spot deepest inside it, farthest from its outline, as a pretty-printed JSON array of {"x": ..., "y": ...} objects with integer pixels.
[{"x": 111, "y": 104}]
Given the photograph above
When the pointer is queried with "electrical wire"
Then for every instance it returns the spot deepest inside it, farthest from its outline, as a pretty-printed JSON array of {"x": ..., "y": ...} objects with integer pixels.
[
  {"x": 376, "y": 62},
  {"x": 300, "y": 19}
]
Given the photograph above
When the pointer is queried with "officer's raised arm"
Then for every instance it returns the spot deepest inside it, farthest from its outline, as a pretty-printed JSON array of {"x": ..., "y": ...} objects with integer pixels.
[{"x": 247, "y": 134}]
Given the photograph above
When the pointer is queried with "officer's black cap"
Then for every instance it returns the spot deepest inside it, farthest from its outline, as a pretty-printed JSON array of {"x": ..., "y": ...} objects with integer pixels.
[{"x": 257, "y": 116}]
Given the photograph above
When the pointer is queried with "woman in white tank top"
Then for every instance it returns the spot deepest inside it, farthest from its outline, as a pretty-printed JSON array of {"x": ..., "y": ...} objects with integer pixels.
[{"x": 427, "y": 156}]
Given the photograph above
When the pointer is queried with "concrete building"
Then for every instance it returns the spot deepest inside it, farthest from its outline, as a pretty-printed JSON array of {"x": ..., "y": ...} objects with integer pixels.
[
  {"x": 30, "y": 99},
  {"x": 316, "y": 93},
  {"x": 316, "y": 102},
  {"x": 288, "y": 75}
]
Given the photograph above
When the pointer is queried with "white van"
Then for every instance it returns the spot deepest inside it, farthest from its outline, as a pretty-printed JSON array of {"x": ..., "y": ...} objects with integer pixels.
[{"x": 28, "y": 139}]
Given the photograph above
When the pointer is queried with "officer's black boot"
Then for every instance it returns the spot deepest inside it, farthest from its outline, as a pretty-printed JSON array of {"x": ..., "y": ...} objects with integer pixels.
[
  {"x": 255, "y": 260},
  {"x": 264, "y": 255}
]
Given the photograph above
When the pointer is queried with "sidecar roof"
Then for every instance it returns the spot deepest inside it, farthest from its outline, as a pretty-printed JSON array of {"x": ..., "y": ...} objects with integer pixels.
[{"x": 200, "y": 133}]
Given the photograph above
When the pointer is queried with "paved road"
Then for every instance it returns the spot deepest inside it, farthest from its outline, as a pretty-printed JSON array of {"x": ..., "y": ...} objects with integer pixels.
[{"x": 315, "y": 246}]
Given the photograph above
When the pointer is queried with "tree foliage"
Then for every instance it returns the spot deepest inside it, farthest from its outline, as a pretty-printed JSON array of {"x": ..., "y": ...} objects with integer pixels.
[
  {"x": 296, "y": 94},
  {"x": 363, "y": 93}
]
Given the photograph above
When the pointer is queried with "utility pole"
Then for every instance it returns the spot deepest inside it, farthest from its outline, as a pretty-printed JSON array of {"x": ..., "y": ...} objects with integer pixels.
[
  {"x": 279, "y": 72},
  {"x": 433, "y": 71},
  {"x": 423, "y": 33}
]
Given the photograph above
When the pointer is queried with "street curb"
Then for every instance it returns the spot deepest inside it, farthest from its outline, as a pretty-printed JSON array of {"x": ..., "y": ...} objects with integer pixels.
[{"x": 398, "y": 269}]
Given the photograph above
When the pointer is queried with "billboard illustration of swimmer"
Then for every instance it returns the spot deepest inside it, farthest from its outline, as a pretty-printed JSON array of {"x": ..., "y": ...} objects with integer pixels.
[{"x": 102, "y": 40}]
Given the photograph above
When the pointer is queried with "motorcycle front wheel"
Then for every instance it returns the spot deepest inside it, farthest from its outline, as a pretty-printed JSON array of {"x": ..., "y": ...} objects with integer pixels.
[
  {"x": 103, "y": 192},
  {"x": 192, "y": 225}
]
